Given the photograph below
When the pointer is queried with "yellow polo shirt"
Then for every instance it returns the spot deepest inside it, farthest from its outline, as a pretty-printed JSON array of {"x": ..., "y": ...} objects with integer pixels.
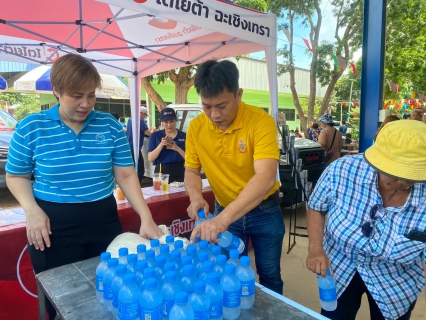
[{"x": 227, "y": 157}]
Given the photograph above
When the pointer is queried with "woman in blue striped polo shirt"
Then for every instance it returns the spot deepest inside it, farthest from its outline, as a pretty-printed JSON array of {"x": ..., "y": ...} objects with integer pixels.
[{"x": 75, "y": 153}]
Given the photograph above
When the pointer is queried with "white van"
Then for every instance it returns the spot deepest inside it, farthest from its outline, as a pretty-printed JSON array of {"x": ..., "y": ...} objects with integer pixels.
[{"x": 185, "y": 113}]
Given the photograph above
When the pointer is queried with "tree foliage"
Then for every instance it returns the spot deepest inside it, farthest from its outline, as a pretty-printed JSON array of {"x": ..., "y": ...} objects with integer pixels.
[{"x": 24, "y": 104}]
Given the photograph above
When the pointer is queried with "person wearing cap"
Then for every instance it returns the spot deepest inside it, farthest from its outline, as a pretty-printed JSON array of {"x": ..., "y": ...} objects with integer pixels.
[
  {"x": 167, "y": 147},
  {"x": 360, "y": 219},
  {"x": 144, "y": 130},
  {"x": 330, "y": 137}
]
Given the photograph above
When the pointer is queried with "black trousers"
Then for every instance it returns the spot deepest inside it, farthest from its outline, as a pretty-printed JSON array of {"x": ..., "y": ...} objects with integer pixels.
[
  {"x": 176, "y": 170},
  {"x": 79, "y": 231},
  {"x": 141, "y": 164},
  {"x": 349, "y": 303}
]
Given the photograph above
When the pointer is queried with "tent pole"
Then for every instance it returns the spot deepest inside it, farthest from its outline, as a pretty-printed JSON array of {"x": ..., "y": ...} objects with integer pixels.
[{"x": 135, "y": 103}]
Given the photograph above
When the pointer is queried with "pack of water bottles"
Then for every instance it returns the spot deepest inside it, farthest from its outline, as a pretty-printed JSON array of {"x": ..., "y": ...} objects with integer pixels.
[{"x": 169, "y": 282}]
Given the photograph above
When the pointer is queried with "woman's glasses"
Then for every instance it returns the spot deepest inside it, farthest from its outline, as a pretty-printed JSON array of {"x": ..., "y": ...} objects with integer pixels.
[{"x": 369, "y": 226}]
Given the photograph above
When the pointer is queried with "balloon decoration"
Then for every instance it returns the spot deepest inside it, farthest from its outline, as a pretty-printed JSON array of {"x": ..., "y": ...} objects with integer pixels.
[{"x": 403, "y": 104}]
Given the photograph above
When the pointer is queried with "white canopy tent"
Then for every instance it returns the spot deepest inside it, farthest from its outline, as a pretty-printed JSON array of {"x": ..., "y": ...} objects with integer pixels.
[{"x": 136, "y": 38}]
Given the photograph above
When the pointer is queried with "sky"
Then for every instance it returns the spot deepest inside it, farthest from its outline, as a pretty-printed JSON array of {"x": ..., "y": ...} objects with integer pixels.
[{"x": 302, "y": 55}]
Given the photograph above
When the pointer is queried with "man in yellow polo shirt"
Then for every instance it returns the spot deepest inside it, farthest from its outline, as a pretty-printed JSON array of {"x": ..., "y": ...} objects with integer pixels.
[{"x": 236, "y": 145}]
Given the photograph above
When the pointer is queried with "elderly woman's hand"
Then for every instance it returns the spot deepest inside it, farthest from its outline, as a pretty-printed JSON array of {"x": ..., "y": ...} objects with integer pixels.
[{"x": 318, "y": 262}]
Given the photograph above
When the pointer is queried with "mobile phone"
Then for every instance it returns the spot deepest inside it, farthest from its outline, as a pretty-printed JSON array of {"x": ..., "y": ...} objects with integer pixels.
[
  {"x": 417, "y": 235},
  {"x": 169, "y": 140}
]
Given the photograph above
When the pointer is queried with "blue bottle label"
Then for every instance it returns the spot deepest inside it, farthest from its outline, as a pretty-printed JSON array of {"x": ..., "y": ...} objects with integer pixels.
[
  {"x": 201, "y": 315},
  {"x": 231, "y": 299},
  {"x": 128, "y": 311},
  {"x": 167, "y": 305},
  {"x": 115, "y": 299},
  {"x": 216, "y": 309},
  {"x": 328, "y": 295},
  {"x": 99, "y": 283},
  {"x": 247, "y": 288},
  {"x": 235, "y": 243},
  {"x": 107, "y": 292},
  {"x": 152, "y": 313}
]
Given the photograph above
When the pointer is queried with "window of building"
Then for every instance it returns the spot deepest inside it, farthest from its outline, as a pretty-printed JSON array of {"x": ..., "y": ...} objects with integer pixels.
[{"x": 290, "y": 114}]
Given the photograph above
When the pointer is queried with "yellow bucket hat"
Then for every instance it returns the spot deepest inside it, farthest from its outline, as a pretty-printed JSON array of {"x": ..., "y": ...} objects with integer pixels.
[{"x": 400, "y": 150}]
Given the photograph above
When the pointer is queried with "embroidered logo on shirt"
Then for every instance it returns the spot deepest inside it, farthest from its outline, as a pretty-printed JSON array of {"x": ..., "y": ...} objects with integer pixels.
[
  {"x": 100, "y": 139},
  {"x": 242, "y": 148}
]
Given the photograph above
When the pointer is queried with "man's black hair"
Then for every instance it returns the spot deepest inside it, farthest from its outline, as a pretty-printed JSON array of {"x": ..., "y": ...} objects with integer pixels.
[
  {"x": 343, "y": 122},
  {"x": 215, "y": 76},
  {"x": 315, "y": 125},
  {"x": 116, "y": 115}
]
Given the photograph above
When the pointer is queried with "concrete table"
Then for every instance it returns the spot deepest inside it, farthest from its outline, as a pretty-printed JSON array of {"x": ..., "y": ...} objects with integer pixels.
[{"x": 71, "y": 289}]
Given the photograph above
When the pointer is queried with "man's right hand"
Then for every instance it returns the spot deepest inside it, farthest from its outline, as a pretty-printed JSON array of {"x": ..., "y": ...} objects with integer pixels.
[
  {"x": 38, "y": 228},
  {"x": 317, "y": 261},
  {"x": 196, "y": 205}
]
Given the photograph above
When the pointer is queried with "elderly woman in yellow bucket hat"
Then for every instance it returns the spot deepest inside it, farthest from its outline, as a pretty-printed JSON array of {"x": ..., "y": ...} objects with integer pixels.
[{"x": 367, "y": 223}]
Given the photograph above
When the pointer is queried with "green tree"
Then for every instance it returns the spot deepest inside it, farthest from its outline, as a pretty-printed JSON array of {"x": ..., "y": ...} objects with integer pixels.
[{"x": 25, "y": 103}]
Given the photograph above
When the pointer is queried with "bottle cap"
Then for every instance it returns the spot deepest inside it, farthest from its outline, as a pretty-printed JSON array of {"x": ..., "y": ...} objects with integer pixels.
[
  {"x": 203, "y": 256},
  {"x": 178, "y": 244},
  {"x": 170, "y": 239},
  {"x": 171, "y": 276},
  {"x": 328, "y": 272},
  {"x": 131, "y": 258},
  {"x": 191, "y": 250},
  {"x": 181, "y": 297},
  {"x": 105, "y": 256},
  {"x": 129, "y": 278},
  {"x": 216, "y": 250},
  {"x": 234, "y": 254},
  {"x": 160, "y": 260},
  {"x": 150, "y": 254},
  {"x": 207, "y": 266},
  {"x": 141, "y": 248},
  {"x": 230, "y": 268},
  {"x": 221, "y": 259},
  {"x": 212, "y": 277},
  {"x": 155, "y": 243},
  {"x": 113, "y": 262},
  {"x": 188, "y": 270},
  {"x": 245, "y": 261},
  {"x": 165, "y": 248},
  {"x": 121, "y": 269},
  {"x": 150, "y": 283},
  {"x": 200, "y": 213},
  {"x": 141, "y": 265},
  {"x": 148, "y": 272},
  {"x": 123, "y": 252},
  {"x": 169, "y": 266},
  {"x": 176, "y": 254},
  {"x": 186, "y": 260},
  {"x": 204, "y": 244},
  {"x": 199, "y": 286}
]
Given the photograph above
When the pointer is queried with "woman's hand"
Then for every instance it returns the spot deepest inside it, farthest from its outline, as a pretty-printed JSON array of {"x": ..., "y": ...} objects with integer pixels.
[
  {"x": 318, "y": 262},
  {"x": 172, "y": 146},
  {"x": 38, "y": 228},
  {"x": 149, "y": 230}
]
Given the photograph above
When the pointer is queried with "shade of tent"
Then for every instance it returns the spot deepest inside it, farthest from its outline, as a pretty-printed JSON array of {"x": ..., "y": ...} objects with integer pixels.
[
  {"x": 3, "y": 84},
  {"x": 136, "y": 38},
  {"x": 38, "y": 81}
]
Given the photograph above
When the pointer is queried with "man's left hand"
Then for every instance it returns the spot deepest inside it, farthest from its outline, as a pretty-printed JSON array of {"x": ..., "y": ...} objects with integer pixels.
[{"x": 209, "y": 229}]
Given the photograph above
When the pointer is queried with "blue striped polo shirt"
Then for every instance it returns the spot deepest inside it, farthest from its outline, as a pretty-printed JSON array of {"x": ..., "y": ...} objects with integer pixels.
[{"x": 69, "y": 167}]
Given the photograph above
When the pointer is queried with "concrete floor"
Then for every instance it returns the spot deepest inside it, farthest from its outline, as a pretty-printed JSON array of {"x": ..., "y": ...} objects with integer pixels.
[{"x": 300, "y": 284}]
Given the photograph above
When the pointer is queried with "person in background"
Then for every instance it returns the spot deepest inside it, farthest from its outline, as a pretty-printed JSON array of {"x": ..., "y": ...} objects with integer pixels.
[
  {"x": 167, "y": 147},
  {"x": 292, "y": 133},
  {"x": 387, "y": 120},
  {"x": 343, "y": 128},
  {"x": 406, "y": 116},
  {"x": 315, "y": 132},
  {"x": 122, "y": 121},
  {"x": 424, "y": 117},
  {"x": 297, "y": 133},
  {"x": 359, "y": 221},
  {"x": 236, "y": 145},
  {"x": 144, "y": 131},
  {"x": 330, "y": 137},
  {"x": 416, "y": 114},
  {"x": 75, "y": 153}
]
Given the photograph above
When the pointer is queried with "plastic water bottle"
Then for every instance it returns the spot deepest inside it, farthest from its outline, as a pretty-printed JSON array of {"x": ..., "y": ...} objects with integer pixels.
[
  {"x": 234, "y": 258},
  {"x": 169, "y": 289},
  {"x": 219, "y": 267},
  {"x": 155, "y": 245},
  {"x": 132, "y": 259},
  {"x": 231, "y": 286},
  {"x": 181, "y": 310},
  {"x": 170, "y": 241},
  {"x": 327, "y": 292},
  {"x": 204, "y": 247},
  {"x": 147, "y": 273},
  {"x": 150, "y": 258},
  {"x": 215, "y": 251},
  {"x": 200, "y": 301},
  {"x": 229, "y": 242},
  {"x": 116, "y": 284},
  {"x": 141, "y": 249},
  {"x": 191, "y": 251},
  {"x": 108, "y": 277},
  {"x": 202, "y": 257},
  {"x": 128, "y": 298},
  {"x": 246, "y": 275},
  {"x": 151, "y": 301},
  {"x": 140, "y": 267},
  {"x": 159, "y": 270},
  {"x": 179, "y": 246},
  {"x": 122, "y": 255},
  {"x": 100, "y": 271},
  {"x": 188, "y": 279},
  {"x": 186, "y": 260},
  {"x": 176, "y": 256},
  {"x": 165, "y": 251},
  {"x": 201, "y": 219},
  {"x": 207, "y": 267},
  {"x": 169, "y": 266},
  {"x": 215, "y": 292}
]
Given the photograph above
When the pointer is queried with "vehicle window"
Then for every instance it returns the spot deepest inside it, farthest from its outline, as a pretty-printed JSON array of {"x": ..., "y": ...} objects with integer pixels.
[
  {"x": 185, "y": 117},
  {"x": 7, "y": 122}
]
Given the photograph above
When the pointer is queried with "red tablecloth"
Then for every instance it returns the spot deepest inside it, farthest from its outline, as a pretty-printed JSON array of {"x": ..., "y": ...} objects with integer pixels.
[{"x": 17, "y": 282}]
